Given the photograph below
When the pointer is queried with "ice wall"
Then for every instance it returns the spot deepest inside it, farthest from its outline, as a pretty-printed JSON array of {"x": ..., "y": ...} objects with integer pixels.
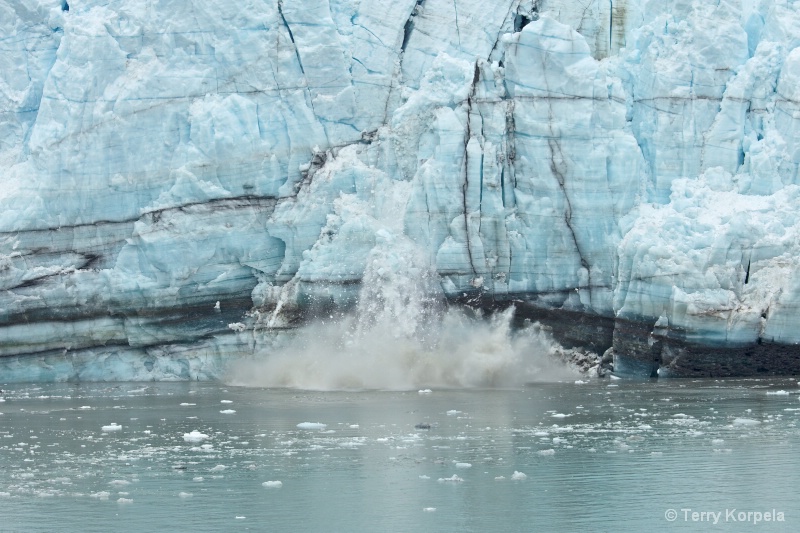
[{"x": 632, "y": 161}]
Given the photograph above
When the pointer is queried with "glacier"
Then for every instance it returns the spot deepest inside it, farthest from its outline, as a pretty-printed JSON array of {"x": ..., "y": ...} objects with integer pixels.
[{"x": 181, "y": 180}]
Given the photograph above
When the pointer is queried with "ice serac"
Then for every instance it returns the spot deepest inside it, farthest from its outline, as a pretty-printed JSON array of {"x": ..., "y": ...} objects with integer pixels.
[{"x": 179, "y": 179}]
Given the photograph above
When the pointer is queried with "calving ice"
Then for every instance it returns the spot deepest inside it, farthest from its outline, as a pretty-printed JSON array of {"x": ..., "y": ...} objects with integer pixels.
[
  {"x": 624, "y": 173},
  {"x": 730, "y": 515}
]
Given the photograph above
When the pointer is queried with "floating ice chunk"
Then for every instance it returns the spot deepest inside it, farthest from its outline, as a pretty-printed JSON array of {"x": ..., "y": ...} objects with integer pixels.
[
  {"x": 745, "y": 422},
  {"x": 237, "y": 326},
  {"x": 85, "y": 407},
  {"x": 560, "y": 415},
  {"x": 217, "y": 306},
  {"x": 429, "y": 509},
  {"x": 124, "y": 500},
  {"x": 197, "y": 479},
  {"x": 112, "y": 427},
  {"x": 453, "y": 412},
  {"x": 102, "y": 495},
  {"x": 227, "y": 411},
  {"x": 423, "y": 476},
  {"x": 240, "y": 517},
  {"x": 778, "y": 393},
  {"x": 272, "y": 484},
  {"x": 225, "y": 401},
  {"x": 547, "y": 452},
  {"x": 185, "y": 404},
  {"x": 463, "y": 465},
  {"x": 580, "y": 382},
  {"x": 194, "y": 436},
  {"x": 717, "y": 441},
  {"x": 119, "y": 483},
  {"x": 500, "y": 478},
  {"x": 541, "y": 434},
  {"x": 656, "y": 453},
  {"x": 454, "y": 478},
  {"x": 218, "y": 468},
  {"x": 185, "y": 495},
  {"x": 425, "y": 391},
  {"x": 311, "y": 425},
  {"x": 518, "y": 476},
  {"x": 354, "y": 426}
]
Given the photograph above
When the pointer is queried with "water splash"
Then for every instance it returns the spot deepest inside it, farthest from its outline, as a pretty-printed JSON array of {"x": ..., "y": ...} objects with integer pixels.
[
  {"x": 402, "y": 336},
  {"x": 463, "y": 350}
]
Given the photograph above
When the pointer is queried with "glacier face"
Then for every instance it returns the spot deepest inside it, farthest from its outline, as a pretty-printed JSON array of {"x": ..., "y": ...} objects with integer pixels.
[{"x": 633, "y": 163}]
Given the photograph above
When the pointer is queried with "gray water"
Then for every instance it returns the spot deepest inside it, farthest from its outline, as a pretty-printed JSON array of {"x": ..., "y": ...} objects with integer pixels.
[{"x": 596, "y": 456}]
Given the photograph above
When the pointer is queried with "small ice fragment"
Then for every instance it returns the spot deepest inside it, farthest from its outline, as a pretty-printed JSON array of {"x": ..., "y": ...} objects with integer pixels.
[
  {"x": 225, "y": 401},
  {"x": 227, "y": 411},
  {"x": 745, "y": 422},
  {"x": 272, "y": 484},
  {"x": 425, "y": 391},
  {"x": 560, "y": 415},
  {"x": 453, "y": 412},
  {"x": 85, "y": 407},
  {"x": 656, "y": 453},
  {"x": 423, "y": 476},
  {"x": 453, "y": 478},
  {"x": 500, "y": 478},
  {"x": 354, "y": 426},
  {"x": 113, "y": 427},
  {"x": 237, "y": 326},
  {"x": 547, "y": 452},
  {"x": 429, "y": 509},
  {"x": 185, "y": 495},
  {"x": 216, "y": 306},
  {"x": 102, "y": 495},
  {"x": 717, "y": 441},
  {"x": 518, "y": 476},
  {"x": 778, "y": 393},
  {"x": 194, "y": 436},
  {"x": 463, "y": 465},
  {"x": 119, "y": 482},
  {"x": 185, "y": 404},
  {"x": 218, "y": 468},
  {"x": 580, "y": 382},
  {"x": 197, "y": 479},
  {"x": 124, "y": 500},
  {"x": 311, "y": 425},
  {"x": 240, "y": 517}
]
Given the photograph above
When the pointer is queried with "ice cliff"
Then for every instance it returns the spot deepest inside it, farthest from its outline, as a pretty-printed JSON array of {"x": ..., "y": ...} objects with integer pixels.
[{"x": 623, "y": 170}]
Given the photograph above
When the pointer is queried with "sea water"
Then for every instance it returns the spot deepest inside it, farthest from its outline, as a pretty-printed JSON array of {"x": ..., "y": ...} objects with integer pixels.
[{"x": 577, "y": 455}]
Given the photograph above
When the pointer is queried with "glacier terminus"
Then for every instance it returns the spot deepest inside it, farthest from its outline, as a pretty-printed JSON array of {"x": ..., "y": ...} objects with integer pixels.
[{"x": 180, "y": 180}]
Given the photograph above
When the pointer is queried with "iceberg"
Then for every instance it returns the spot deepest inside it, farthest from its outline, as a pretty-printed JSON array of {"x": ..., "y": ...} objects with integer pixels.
[{"x": 181, "y": 180}]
